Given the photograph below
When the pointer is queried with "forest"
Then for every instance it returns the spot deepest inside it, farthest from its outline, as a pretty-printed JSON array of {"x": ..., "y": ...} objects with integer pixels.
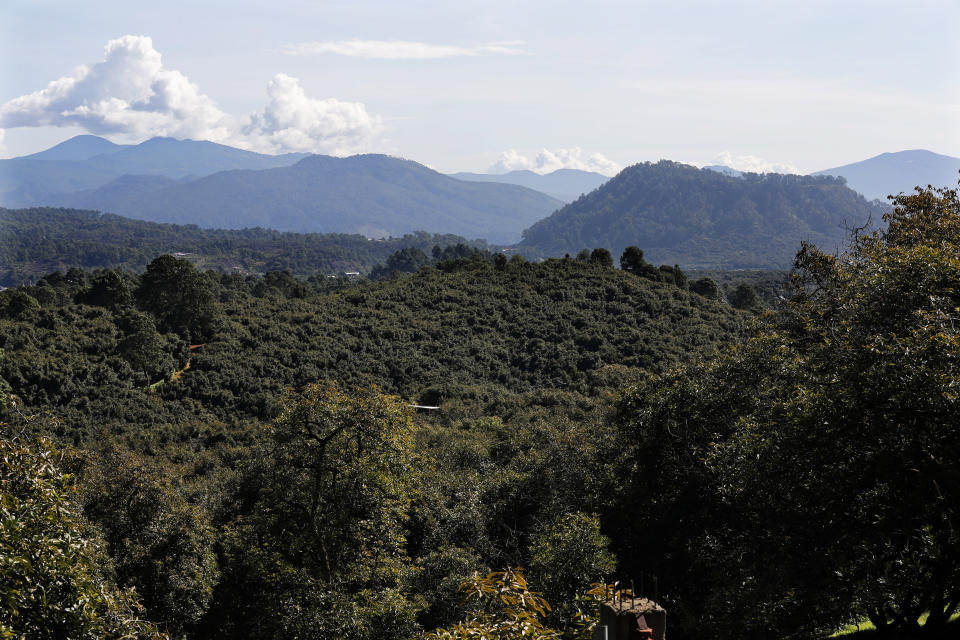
[
  {"x": 470, "y": 445},
  {"x": 38, "y": 241}
]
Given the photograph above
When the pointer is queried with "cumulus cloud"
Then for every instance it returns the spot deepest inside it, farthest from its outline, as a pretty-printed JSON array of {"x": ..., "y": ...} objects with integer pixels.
[
  {"x": 547, "y": 161},
  {"x": 292, "y": 121},
  {"x": 402, "y": 49},
  {"x": 753, "y": 164},
  {"x": 131, "y": 95}
]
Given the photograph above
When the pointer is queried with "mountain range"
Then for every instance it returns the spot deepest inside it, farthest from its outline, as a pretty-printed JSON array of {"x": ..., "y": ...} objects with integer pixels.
[
  {"x": 374, "y": 195},
  {"x": 212, "y": 185},
  {"x": 88, "y": 162},
  {"x": 677, "y": 213}
]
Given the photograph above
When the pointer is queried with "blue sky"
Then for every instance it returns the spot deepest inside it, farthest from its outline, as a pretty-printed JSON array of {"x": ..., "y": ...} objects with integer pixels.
[{"x": 466, "y": 86}]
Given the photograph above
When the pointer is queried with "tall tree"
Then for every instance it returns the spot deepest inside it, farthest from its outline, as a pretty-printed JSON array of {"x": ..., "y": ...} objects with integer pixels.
[{"x": 179, "y": 297}]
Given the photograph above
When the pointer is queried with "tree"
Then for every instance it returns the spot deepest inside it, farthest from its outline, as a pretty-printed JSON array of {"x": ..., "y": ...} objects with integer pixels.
[
  {"x": 324, "y": 547},
  {"x": 828, "y": 441},
  {"x": 160, "y": 543},
  {"x": 53, "y": 582},
  {"x": 602, "y": 257},
  {"x": 706, "y": 287},
  {"x": 108, "y": 288},
  {"x": 567, "y": 556},
  {"x": 631, "y": 260},
  {"x": 142, "y": 346},
  {"x": 179, "y": 297},
  {"x": 743, "y": 297}
]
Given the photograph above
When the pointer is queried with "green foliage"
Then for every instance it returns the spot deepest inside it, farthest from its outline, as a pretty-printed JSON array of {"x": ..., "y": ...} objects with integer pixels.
[
  {"x": 52, "y": 579},
  {"x": 601, "y": 257},
  {"x": 743, "y": 297},
  {"x": 34, "y": 242},
  {"x": 323, "y": 548},
  {"x": 179, "y": 297},
  {"x": 568, "y": 556},
  {"x": 159, "y": 542},
  {"x": 504, "y": 609},
  {"x": 706, "y": 287},
  {"x": 828, "y": 442}
]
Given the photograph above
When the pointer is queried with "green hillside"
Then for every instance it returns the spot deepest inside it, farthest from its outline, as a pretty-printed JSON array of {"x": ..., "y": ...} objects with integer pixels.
[
  {"x": 515, "y": 328},
  {"x": 679, "y": 214}
]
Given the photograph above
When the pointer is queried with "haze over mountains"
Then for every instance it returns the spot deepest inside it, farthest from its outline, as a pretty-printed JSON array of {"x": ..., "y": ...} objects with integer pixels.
[
  {"x": 565, "y": 185},
  {"x": 893, "y": 173},
  {"x": 712, "y": 218},
  {"x": 88, "y": 162},
  {"x": 375, "y": 195}
]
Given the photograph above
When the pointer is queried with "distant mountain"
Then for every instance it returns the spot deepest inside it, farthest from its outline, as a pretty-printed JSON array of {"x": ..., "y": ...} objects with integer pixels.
[
  {"x": 679, "y": 214},
  {"x": 565, "y": 185},
  {"x": 901, "y": 171},
  {"x": 89, "y": 162},
  {"x": 375, "y": 195},
  {"x": 77, "y": 148},
  {"x": 180, "y": 158},
  {"x": 724, "y": 169},
  {"x": 126, "y": 188}
]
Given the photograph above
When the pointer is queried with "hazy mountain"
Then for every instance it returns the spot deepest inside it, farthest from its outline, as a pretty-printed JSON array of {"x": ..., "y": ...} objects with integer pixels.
[
  {"x": 77, "y": 148},
  {"x": 724, "y": 169},
  {"x": 891, "y": 173},
  {"x": 679, "y": 214},
  {"x": 89, "y": 162},
  {"x": 371, "y": 194},
  {"x": 180, "y": 158},
  {"x": 565, "y": 185},
  {"x": 114, "y": 194}
]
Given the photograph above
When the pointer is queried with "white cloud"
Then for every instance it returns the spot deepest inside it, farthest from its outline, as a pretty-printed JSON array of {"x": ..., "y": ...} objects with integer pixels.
[
  {"x": 753, "y": 164},
  {"x": 3, "y": 147},
  {"x": 132, "y": 96},
  {"x": 547, "y": 161},
  {"x": 293, "y": 122},
  {"x": 402, "y": 49}
]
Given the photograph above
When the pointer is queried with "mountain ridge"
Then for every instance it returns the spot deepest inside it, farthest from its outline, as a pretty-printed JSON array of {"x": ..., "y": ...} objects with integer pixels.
[{"x": 894, "y": 172}]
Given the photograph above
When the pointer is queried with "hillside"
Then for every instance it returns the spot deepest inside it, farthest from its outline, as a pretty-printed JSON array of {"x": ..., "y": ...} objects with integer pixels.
[
  {"x": 565, "y": 185},
  {"x": 679, "y": 214},
  {"x": 893, "y": 173},
  {"x": 374, "y": 195},
  {"x": 35, "y": 242},
  {"x": 528, "y": 326}
]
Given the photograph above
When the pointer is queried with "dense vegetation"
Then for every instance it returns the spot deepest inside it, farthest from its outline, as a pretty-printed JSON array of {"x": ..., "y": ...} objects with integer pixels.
[
  {"x": 247, "y": 460},
  {"x": 703, "y": 219},
  {"x": 35, "y": 242}
]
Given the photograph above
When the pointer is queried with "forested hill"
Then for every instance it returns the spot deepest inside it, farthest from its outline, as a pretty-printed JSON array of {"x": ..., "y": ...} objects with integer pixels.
[
  {"x": 78, "y": 344},
  {"x": 35, "y": 242},
  {"x": 698, "y": 218}
]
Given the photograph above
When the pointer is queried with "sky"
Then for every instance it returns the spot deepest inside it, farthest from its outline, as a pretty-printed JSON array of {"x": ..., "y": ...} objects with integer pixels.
[{"x": 491, "y": 85}]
